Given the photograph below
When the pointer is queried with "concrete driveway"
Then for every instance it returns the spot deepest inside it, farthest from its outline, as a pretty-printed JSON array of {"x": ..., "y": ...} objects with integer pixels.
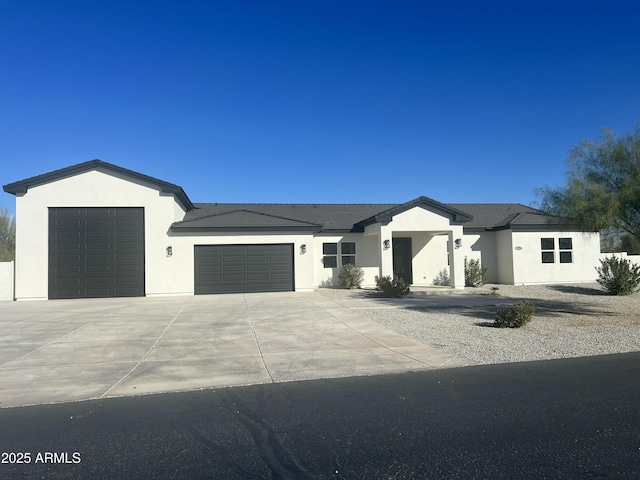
[{"x": 69, "y": 350}]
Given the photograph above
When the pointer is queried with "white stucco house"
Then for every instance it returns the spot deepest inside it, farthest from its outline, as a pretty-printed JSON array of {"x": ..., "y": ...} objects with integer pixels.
[{"x": 99, "y": 230}]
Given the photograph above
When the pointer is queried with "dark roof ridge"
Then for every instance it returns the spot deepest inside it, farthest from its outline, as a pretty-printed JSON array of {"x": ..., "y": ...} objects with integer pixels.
[
  {"x": 387, "y": 215},
  {"x": 292, "y": 204},
  {"x": 248, "y": 211}
]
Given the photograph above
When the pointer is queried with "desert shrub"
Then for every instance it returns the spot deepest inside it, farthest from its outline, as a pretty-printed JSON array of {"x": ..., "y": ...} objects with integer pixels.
[
  {"x": 442, "y": 278},
  {"x": 391, "y": 287},
  {"x": 618, "y": 276},
  {"x": 474, "y": 273},
  {"x": 494, "y": 291},
  {"x": 326, "y": 283},
  {"x": 350, "y": 276},
  {"x": 515, "y": 316}
]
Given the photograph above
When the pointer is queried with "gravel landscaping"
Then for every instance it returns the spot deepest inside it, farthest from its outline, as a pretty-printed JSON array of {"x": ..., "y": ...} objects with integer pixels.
[{"x": 570, "y": 321}]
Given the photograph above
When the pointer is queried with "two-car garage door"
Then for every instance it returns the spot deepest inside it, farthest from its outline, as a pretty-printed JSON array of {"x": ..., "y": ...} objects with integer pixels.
[{"x": 244, "y": 268}]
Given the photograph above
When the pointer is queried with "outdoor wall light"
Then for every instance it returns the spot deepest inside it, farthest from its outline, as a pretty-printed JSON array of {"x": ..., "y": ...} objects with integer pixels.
[
  {"x": 303, "y": 249},
  {"x": 458, "y": 242},
  {"x": 387, "y": 244},
  {"x": 169, "y": 251}
]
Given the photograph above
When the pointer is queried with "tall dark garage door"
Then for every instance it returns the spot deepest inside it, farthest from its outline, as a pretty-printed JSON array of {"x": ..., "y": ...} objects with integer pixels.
[
  {"x": 243, "y": 268},
  {"x": 96, "y": 252}
]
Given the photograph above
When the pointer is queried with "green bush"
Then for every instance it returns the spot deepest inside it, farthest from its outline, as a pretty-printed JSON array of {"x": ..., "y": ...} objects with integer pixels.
[
  {"x": 442, "y": 278},
  {"x": 350, "y": 276},
  {"x": 474, "y": 273},
  {"x": 389, "y": 287},
  {"x": 618, "y": 276},
  {"x": 515, "y": 316}
]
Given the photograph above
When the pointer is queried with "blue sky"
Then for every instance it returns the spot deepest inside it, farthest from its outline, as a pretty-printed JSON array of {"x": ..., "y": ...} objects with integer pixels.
[{"x": 316, "y": 101}]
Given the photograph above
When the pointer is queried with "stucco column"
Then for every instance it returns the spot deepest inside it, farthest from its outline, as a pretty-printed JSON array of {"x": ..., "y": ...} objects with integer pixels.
[
  {"x": 385, "y": 254},
  {"x": 456, "y": 258}
]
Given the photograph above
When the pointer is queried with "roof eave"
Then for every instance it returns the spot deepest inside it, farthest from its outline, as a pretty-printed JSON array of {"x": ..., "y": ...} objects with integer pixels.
[
  {"x": 22, "y": 186},
  {"x": 546, "y": 227},
  {"x": 187, "y": 229},
  {"x": 457, "y": 217}
]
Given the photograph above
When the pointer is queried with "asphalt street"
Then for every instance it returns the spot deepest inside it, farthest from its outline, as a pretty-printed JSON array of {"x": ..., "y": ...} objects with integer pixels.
[{"x": 577, "y": 418}]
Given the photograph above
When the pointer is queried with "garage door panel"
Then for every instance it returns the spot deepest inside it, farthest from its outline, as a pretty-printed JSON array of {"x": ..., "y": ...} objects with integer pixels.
[
  {"x": 244, "y": 268},
  {"x": 257, "y": 259},
  {"x": 97, "y": 279},
  {"x": 99, "y": 292},
  {"x": 257, "y": 268},
  {"x": 126, "y": 220},
  {"x": 229, "y": 268},
  {"x": 240, "y": 259},
  {"x": 258, "y": 277},
  {"x": 127, "y": 247},
  {"x": 97, "y": 249},
  {"x": 71, "y": 234},
  {"x": 234, "y": 248},
  {"x": 279, "y": 276},
  {"x": 64, "y": 247},
  {"x": 65, "y": 259},
  {"x": 69, "y": 281},
  {"x": 279, "y": 267},
  {"x": 68, "y": 270},
  {"x": 96, "y": 269},
  {"x": 125, "y": 268}
]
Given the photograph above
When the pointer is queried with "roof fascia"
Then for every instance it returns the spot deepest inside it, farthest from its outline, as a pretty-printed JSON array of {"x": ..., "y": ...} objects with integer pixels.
[
  {"x": 549, "y": 227},
  {"x": 21, "y": 186},
  {"x": 457, "y": 217},
  {"x": 181, "y": 228}
]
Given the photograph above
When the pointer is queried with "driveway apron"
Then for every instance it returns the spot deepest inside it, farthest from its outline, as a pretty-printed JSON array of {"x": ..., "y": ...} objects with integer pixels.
[{"x": 70, "y": 350}]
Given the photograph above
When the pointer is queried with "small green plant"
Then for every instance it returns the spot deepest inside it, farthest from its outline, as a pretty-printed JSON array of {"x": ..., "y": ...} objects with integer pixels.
[
  {"x": 474, "y": 273},
  {"x": 442, "y": 278},
  {"x": 326, "y": 283},
  {"x": 350, "y": 276},
  {"x": 495, "y": 291},
  {"x": 618, "y": 276},
  {"x": 391, "y": 287},
  {"x": 515, "y": 316}
]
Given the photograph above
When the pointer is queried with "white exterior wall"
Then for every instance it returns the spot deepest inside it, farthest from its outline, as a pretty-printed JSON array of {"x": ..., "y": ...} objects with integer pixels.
[
  {"x": 163, "y": 275},
  {"x": 182, "y": 266},
  {"x": 6, "y": 281},
  {"x": 429, "y": 258},
  {"x": 366, "y": 257},
  {"x": 504, "y": 256},
  {"x": 527, "y": 258},
  {"x": 482, "y": 246},
  {"x": 89, "y": 189}
]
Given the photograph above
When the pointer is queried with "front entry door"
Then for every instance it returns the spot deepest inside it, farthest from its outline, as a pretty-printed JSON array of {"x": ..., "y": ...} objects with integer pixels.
[{"x": 402, "y": 259}]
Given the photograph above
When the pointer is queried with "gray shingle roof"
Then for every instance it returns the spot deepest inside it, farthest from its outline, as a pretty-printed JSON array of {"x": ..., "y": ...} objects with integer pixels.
[
  {"x": 343, "y": 217},
  {"x": 496, "y": 215},
  {"x": 336, "y": 217},
  {"x": 244, "y": 219}
]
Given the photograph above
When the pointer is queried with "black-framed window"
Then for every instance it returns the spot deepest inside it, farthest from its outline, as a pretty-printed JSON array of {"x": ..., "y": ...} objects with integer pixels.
[
  {"x": 330, "y": 255},
  {"x": 547, "y": 246},
  {"x": 348, "y": 251},
  {"x": 566, "y": 246}
]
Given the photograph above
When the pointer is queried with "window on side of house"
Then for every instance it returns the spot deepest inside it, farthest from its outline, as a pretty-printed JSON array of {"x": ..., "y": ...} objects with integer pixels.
[
  {"x": 548, "y": 246},
  {"x": 330, "y": 255},
  {"x": 566, "y": 246},
  {"x": 348, "y": 250}
]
